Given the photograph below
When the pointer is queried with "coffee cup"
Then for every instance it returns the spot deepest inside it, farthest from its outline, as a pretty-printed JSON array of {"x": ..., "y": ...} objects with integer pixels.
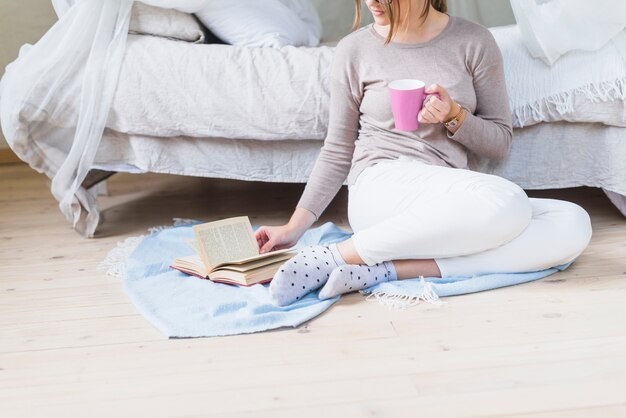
[{"x": 407, "y": 99}]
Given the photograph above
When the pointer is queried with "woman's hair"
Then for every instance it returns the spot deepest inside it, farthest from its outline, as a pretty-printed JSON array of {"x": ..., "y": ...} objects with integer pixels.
[{"x": 392, "y": 10}]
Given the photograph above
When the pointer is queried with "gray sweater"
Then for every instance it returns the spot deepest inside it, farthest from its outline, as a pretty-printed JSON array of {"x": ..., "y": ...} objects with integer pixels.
[{"x": 464, "y": 58}]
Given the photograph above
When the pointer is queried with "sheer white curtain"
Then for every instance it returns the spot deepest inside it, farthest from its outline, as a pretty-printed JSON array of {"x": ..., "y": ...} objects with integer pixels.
[{"x": 62, "y": 87}]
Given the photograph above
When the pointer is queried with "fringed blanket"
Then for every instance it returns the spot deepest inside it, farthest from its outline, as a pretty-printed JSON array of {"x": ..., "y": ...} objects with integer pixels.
[{"x": 185, "y": 306}]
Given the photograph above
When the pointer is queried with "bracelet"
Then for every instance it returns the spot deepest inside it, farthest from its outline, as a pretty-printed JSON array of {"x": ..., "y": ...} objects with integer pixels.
[{"x": 455, "y": 122}]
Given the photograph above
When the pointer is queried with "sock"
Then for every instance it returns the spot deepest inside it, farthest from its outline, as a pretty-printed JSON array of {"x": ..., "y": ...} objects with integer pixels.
[
  {"x": 306, "y": 271},
  {"x": 353, "y": 277}
]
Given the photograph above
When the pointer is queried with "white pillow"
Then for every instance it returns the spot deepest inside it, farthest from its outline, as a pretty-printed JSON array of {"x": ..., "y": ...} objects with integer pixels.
[
  {"x": 552, "y": 28},
  {"x": 266, "y": 23},
  {"x": 582, "y": 86}
]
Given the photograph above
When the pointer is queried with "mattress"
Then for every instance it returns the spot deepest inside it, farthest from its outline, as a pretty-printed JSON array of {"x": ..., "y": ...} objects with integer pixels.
[
  {"x": 543, "y": 156},
  {"x": 562, "y": 154}
]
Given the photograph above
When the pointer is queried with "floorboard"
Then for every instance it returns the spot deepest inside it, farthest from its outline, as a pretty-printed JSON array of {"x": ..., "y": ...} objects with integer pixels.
[{"x": 73, "y": 345}]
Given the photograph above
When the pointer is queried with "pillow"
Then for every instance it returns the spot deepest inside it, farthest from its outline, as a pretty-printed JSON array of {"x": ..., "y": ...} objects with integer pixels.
[
  {"x": 307, "y": 13},
  {"x": 582, "y": 86},
  {"x": 551, "y": 28},
  {"x": 166, "y": 23},
  {"x": 267, "y": 23}
]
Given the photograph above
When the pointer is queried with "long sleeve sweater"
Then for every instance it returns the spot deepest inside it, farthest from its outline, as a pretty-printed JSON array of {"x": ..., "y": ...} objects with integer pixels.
[{"x": 464, "y": 59}]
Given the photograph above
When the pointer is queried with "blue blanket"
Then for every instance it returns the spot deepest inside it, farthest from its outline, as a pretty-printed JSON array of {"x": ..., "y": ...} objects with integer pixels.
[{"x": 185, "y": 306}]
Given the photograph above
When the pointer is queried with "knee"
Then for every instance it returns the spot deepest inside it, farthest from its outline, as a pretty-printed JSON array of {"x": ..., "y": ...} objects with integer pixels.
[
  {"x": 507, "y": 212},
  {"x": 575, "y": 229},
  {"x": 565, "y": 227}
]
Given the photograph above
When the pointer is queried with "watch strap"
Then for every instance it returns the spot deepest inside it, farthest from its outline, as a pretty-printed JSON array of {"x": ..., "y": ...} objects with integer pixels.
[{"x": 454, "y": 121}]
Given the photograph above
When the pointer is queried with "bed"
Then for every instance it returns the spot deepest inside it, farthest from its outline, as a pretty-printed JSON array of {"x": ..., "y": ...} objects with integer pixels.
[{"x": 261, "y": 114}]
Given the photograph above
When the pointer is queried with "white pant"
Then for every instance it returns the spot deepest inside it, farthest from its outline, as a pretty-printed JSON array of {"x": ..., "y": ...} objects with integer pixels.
[{"x": 470, "y": 223}]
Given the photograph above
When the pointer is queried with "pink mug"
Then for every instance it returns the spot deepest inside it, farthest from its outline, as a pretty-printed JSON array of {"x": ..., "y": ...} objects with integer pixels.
[{"x": 407, "y": 99}]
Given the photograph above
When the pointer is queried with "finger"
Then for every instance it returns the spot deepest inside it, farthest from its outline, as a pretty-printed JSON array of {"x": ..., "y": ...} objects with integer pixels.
[
  {"x": 429, "y": 117},
  {"x": 438, "y": 90},
  {"x": 437, "y": 107},
  {"x": 434, "y": 88},
  {"x": 261, "y": 236},
  {"x": 267, "y": 246},
  {"x": 420, "y": 117},
  {"x": 437, "y": 115}
]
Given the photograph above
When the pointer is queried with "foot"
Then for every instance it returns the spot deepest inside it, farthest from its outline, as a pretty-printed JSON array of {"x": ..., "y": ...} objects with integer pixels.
[
  {"x": 353, "y": 277},
  {"x": 303, "y": 273}
]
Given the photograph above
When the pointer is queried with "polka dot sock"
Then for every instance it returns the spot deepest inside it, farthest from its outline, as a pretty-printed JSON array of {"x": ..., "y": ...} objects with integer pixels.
[
  {"x": 306, "y": 271},
  {"x": 353, "y": 277}
]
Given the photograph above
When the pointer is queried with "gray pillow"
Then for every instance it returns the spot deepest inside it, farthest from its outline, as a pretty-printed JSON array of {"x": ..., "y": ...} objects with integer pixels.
[{"x": 166, "y": 23}]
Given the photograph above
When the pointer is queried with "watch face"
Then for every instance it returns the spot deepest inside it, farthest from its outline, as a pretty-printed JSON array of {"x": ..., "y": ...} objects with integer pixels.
[{"x": 452, "y": 123}]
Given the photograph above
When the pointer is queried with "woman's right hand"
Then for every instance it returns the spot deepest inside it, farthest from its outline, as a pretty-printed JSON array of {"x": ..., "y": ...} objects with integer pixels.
[{"x": 271, "y": 238}]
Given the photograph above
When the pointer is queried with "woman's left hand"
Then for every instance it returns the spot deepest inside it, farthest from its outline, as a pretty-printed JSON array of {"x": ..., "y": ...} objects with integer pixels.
[{"x": 437, "y": 109}]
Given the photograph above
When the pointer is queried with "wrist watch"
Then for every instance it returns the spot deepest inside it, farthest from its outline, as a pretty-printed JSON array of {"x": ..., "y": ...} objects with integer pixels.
[{"x": 455, "y": 120}]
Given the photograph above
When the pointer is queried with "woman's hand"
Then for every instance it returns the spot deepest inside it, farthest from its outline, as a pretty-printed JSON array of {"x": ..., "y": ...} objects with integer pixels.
[
  {"x": 271, "y": 238},
  {"x": 438, "y": 109}
]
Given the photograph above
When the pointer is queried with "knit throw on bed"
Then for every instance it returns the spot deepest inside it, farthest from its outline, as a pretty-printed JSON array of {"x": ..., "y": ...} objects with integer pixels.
[
  {"x": 597, "y": 76},
  {"x": 185, "y": 306}
]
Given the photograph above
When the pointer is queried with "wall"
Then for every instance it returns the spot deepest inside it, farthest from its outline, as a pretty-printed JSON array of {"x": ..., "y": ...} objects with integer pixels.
[
  {"x": 337, "y": 15},
  {"x": 21, "y": 21},
  {"x": 486, "y": 12}
]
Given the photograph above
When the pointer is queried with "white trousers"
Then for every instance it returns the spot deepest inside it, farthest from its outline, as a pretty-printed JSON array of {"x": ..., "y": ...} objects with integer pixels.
[{"x": 470, "y": 223}]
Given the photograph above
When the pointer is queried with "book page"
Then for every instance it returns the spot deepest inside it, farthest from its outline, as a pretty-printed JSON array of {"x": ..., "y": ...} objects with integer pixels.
[
  {"x": 255, "y": 264},
  {"x": 226, "y": 240},
  {"x": 191, "y": 265},
  {"x": 261, "y": 274},
  {"x": 193, "y": 244},
  {"x": 260, "y": 256}
]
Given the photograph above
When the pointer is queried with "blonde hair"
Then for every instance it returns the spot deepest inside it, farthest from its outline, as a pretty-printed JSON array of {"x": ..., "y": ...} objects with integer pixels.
[{"x": 392, "y": 10}]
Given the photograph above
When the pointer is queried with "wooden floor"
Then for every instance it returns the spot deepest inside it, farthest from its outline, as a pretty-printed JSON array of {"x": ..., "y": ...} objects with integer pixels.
[{"x": 73, "y": 345}]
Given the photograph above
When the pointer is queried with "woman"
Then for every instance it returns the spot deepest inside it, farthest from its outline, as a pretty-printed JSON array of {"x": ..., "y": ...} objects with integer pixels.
[{"x": 414, "y": 207}]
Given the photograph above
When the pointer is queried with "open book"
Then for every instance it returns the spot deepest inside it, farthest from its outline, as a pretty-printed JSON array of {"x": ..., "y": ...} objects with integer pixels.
[{"x": 227, "y": 252}]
